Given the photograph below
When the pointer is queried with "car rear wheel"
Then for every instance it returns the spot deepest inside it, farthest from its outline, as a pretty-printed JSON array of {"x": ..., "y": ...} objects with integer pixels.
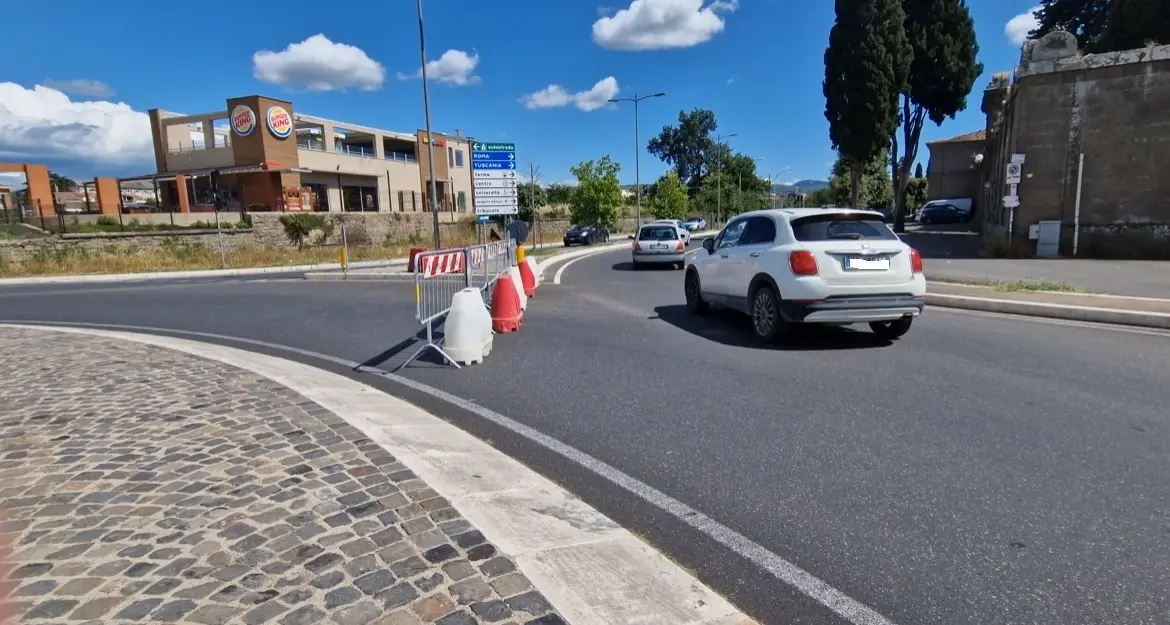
[
  {"x": 767, "y": 323},
  {"x": 890, "y": 330},
  {"x": 694, "y": 294}
]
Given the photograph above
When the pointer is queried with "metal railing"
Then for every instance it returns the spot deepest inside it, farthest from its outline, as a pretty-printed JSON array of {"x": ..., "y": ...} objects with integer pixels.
[{"x": 439, "y": 275}]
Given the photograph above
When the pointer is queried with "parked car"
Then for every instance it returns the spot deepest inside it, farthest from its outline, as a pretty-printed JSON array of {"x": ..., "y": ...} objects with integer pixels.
[
  {"x": 694, "y": 224},
  {"x": 796, "y": 266},
  {"x": 962, "y": 204},
  {"x": 683, "y": 231},
  {"x": 658, "y": 244},
  {"x": 585, "y": 235},
  {"x": 943, "y": 214}
]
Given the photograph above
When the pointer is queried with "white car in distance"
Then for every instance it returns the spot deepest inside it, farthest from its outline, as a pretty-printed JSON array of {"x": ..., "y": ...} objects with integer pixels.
[
  {"x": 684, "y": 233},
  {"x": 788, "y": 267}
]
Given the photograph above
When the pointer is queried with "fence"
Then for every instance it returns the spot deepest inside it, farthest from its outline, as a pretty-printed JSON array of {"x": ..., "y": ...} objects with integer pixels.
[{"x": 439, "y": 275}]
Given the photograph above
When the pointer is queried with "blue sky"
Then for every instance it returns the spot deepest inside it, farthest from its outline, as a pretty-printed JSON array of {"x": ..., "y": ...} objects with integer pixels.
[{"x": 520, "y": 71}]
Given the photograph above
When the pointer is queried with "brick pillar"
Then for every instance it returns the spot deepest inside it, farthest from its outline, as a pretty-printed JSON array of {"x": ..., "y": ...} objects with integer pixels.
[
  {"x": 109, "y": 201},
  {"x": 40, "y": 190},
  {"x": 181, "y": 190}
]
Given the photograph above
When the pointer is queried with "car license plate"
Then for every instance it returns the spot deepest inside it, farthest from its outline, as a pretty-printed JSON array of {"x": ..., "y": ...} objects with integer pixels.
[
  {"x": 867, "y": 263},
  {"x": 660, "y": 246}
]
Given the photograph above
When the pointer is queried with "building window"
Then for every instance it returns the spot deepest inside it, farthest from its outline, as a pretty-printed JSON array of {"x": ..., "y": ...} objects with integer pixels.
[
  {"x": 461, "y": 200},
  {"x": 450, "y": 157},
  {"x": 459, "y": 158}
]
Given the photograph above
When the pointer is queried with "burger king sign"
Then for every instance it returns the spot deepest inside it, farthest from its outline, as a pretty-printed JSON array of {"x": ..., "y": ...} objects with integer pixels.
[
  {"x": 280, "y": 123},
  {"x": 243, "y": 120}
]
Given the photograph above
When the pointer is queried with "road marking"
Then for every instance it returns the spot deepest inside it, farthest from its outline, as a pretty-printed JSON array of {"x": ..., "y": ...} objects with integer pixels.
[
  {"x": 569, "y": 263},
  {"x": 820, "y": 591}
]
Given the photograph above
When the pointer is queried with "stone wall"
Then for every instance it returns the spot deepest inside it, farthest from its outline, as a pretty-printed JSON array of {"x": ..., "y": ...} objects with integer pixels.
[
  {"x": 1110, "y": 108},
  {"x": 372, "y": 228},
  {"x": 118, "y": 243}
]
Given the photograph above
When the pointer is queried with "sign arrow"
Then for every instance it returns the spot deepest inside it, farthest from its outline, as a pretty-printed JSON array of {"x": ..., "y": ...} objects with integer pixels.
[{"x": 511, "y": 156}]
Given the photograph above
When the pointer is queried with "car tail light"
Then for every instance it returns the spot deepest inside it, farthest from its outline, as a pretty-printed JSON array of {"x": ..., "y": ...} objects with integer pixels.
[
  {"x": 803, "y": 263},
  {"x": 915, "y": 261},
  {"x": 637, "y": 248},
  {"x": 680, "y": 247}
]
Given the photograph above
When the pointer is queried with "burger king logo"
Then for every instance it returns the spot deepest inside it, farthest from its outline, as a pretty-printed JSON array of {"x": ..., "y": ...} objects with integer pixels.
[
  {"x": 243, "y": 120},
  {"x": 280, "y": 122}
]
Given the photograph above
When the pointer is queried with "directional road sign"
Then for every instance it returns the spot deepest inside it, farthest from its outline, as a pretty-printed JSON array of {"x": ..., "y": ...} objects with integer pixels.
[
  {"x": 493, "y": 169},
  {"x": 492, "y": 174}
]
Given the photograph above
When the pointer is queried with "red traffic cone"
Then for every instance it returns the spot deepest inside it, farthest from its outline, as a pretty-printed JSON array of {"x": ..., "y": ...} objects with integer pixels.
[
  {"x": 505, "y": 306},
  {"x": 527, "y": 279}
]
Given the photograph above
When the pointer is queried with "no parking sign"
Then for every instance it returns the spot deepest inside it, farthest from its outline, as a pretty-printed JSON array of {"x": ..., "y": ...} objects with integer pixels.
[{"x": 1014, "y": 173}]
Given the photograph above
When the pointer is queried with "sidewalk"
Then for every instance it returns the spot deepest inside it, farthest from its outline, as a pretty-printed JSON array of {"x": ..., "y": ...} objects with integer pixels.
[
  {"x": 157, "y": 479},
  {"x": 1134, "y": 278},
  {"x": 1135, "y": 311}
]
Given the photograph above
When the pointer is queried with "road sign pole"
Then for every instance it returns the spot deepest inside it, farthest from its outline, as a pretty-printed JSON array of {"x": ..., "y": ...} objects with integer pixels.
[{"x": 422, "y": 48}]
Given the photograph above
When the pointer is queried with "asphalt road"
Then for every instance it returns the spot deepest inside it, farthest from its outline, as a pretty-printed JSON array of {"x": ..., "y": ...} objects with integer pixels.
[{"x": 982, "y": 470}]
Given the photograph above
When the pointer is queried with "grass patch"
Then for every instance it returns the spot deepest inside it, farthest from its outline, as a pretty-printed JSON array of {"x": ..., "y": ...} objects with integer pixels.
[
  {"x": 1022, "y": 286},
  {"x": 185, "y": 256}
]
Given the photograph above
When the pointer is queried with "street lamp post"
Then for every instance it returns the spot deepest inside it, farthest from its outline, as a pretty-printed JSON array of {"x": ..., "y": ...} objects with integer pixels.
[
  {"x": 719, "y": 185},
  {"x": 422, "y": 48},
  {"x": 773, "y": 178},
  {"x": 637, "y": 154}
]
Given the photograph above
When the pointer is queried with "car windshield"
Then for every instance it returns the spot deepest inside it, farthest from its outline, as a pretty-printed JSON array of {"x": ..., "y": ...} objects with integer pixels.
[
  {"x": 840, "y": 226},
  {"x": 658, "y": 233}
]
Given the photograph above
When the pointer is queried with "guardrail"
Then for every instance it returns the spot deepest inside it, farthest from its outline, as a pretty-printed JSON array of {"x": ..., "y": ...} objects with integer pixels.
[{"x": 440, "y": 274}]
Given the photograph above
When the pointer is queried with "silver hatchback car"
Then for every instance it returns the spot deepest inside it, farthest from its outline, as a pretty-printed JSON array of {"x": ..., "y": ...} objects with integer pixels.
[{"x": 659, "y": 244}]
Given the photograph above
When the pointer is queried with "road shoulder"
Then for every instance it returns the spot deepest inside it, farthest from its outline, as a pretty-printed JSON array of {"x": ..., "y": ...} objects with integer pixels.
[{"x": 1111, "y": 309}]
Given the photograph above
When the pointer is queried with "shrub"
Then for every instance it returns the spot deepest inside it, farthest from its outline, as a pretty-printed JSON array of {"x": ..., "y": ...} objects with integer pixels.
[{"x": 298, "y": 226}]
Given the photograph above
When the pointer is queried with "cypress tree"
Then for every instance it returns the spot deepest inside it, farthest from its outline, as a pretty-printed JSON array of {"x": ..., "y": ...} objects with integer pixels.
[
  {"x": 866, "y": 64},
  {"x": 943, "y": 69},
  {"x": 1137, "y": 23},
  {"x": 1086, "y": 19}
]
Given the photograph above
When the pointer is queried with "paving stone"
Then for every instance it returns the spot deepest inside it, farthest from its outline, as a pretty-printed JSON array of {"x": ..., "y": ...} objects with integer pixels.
[
  {"x": 548, "y": 619},
  {"x": 204, "y": 494}
]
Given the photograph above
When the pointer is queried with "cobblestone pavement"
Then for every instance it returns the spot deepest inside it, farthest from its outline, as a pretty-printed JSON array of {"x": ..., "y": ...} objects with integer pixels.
[{"x": 142, "y": 484}]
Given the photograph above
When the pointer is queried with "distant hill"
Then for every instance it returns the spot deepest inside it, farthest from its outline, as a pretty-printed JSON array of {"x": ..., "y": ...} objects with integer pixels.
[{"x": 801, "y": 186}]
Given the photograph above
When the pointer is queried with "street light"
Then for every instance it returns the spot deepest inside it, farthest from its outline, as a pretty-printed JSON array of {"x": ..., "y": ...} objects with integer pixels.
[
  {"x": 771, "y": 181},
  {"x": 422, "y": 48},
  {"x": 637, "y": 152},
  {"x": 719, "y": 188}
]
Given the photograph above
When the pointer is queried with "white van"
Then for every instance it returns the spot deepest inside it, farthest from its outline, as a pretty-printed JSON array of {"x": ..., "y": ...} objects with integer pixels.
[{"x": 963, "y": 204}]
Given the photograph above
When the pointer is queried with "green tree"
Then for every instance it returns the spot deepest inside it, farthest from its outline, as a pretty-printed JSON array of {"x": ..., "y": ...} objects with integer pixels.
[
  {"x": 918, "y": 171},
  {"x": 686, "y": 147},
  {"x": 866, "y": 64},
  {"x": 916, "y": 193},
  {"x": 559, "y": 193},
  {"x": 1087, "y": 19},
  {"x": 670, "y": 200},
  {"x": 943, "y": 68},
  {"x": 1136, "y": 23},
  {"x": 597, "y": 199},
  {"x": 874, "y": 189},
  {"x": 61, "y": 183},
  {"x": 529, "y": 195}
]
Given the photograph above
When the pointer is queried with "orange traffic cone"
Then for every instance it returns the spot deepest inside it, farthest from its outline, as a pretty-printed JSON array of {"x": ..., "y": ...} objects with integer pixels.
[
  {"x": 505, "y": 306},
  {"x": 527, "y": 279}
]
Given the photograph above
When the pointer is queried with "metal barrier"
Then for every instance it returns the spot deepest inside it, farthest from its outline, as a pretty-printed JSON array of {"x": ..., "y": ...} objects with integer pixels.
[{"x": 441, "y": 274}]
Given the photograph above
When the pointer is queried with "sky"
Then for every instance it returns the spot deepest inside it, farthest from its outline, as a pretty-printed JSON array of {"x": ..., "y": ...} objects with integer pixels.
[{"x": 79, "y": 78}]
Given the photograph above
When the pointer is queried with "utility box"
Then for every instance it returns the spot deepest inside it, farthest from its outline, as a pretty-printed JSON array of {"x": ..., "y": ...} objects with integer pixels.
[{"x": 1048, "y": 239}]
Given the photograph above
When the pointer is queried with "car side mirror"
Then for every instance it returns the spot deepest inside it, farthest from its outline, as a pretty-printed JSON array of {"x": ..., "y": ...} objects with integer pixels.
[{"x": 709, "y": 245}]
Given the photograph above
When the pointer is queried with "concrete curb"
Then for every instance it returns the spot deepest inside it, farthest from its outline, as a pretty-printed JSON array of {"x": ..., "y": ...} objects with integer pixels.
[
  {"x": 590, "y": 569},
  {"x": 179, "y": 275},
  {"x": 1090, "y": 314}
]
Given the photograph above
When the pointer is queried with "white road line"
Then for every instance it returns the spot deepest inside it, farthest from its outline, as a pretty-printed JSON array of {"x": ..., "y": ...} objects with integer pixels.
[
  {"x": 568, "y": 263},
  {"x": 848, "y": 608}
]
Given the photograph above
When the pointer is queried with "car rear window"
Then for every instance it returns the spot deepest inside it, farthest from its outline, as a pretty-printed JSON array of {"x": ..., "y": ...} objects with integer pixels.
[
  {"x": 840, "y": 226},
  {"x": 658, "y": 233}
]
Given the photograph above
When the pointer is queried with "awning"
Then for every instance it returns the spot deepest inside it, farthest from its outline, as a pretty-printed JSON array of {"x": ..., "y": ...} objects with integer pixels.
[{"x": 235, "y": 169}]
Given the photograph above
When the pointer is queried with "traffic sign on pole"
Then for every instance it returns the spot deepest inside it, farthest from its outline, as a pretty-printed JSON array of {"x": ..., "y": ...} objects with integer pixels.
[{"x": 495, "y": 181}]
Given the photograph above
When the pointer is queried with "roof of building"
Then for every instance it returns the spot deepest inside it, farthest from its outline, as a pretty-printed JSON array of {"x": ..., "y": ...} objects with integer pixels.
[{"x": 978, "y": 135}]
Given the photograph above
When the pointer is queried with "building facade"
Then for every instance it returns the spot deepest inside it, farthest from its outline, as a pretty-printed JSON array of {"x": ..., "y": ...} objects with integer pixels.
[
  {"x": 259, "y": 154},
  {"x": 953, "y": 170}
]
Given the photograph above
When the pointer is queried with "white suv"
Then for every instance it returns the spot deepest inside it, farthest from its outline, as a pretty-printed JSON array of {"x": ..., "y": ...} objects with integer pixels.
[{"x": 809, "y": 265}]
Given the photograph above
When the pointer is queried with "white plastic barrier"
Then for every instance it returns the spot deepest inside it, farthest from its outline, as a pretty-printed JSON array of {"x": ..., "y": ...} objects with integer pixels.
[
  {"x": 535, "y": 267},
  {"x": 468, "y": 329}
]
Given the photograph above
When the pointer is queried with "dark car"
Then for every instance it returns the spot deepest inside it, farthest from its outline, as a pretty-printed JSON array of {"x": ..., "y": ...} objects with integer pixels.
[
  {"x": 585, "y": 235},
  {"x": 943, "y": 214}
]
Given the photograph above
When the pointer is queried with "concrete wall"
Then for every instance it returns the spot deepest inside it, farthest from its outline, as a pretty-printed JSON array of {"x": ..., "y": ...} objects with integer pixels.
[
  {"x": 199, "y": 159},
  {"x": 952, "y": 173},
  {"x": 371, "y": 228},
  {"x": 1110, "y": 107}
]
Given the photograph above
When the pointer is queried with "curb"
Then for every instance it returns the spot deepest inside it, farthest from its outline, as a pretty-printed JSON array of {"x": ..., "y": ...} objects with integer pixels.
[
  {"x": 588, "y": 567},
  {"x": 1091, "y": 314},
  {"x": 208, "y": 273}
]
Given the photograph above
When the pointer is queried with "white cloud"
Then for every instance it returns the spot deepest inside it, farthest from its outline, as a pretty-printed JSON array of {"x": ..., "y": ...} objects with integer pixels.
[
  {"x": 455, "y": 68},
  {"x": 92, "y": 88},
  {"x": 1018, "y": 27},
  {"x": 9, "y": 179},
  {"x": 556, "y": 96},
  {"x": 42, "y": 125},
  {"x": 661, "y": 24},
  {"x": 318, "y": 64}
]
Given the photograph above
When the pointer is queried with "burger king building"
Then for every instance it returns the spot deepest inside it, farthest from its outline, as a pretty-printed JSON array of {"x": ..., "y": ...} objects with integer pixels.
[{"x": 259, "y": 154}]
